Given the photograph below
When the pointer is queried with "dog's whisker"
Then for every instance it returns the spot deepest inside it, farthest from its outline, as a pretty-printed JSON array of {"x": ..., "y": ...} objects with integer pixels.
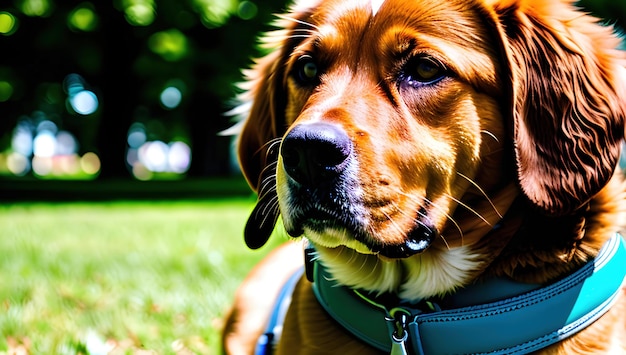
[
  {"x": 298, "y": 36},
  {"x": 470, "y": 209},
  {"x": 482, "y": 192},
  {"x": 392, "y": 221},
  {"x": 267, "y": 147},
  {"x": 267, "y": 216},
  {"x": 364, "y": 260},
  {"x": 272, "y": 205},
  {"x": 295, "y": 20},
  {"x": 495, "y": 138},
  {"x": 268, "y": 203},
  {"x": 268, "y": 185},
  {"x": 443, "y": 238},
  {"x": 271, "y": 143},
  {"x": 427, "y": 227},
  {"x": 268, "y": 179},
  {"x": 421, "y": 214},
  {"x": 302, "y": 32},
  {"x": 450, "y": 219}
]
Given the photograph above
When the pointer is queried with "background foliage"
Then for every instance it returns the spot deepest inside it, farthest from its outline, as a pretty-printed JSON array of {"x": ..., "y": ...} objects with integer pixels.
[{"x": 126, "y": 54}]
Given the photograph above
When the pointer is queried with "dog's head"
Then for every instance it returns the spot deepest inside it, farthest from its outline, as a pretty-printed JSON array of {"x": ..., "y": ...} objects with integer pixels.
[{"x": 403, "y": 130}]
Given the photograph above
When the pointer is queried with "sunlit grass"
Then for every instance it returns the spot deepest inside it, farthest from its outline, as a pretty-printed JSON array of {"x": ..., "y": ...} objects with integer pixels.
[{"x": 124, "y": 276}]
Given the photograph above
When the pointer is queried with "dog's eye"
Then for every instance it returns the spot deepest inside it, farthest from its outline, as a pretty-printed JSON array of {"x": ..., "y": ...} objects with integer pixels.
[
  {"x": 422, "y": 71},
  {"x": 306, "y": 70}
]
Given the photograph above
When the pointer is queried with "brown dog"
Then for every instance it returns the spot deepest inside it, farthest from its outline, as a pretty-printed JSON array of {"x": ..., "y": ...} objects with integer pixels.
[{"x": 426, "y": 148}]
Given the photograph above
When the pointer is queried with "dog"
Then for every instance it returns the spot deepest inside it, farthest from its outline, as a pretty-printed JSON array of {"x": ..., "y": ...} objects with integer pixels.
[{"x": 425, "y": 150}]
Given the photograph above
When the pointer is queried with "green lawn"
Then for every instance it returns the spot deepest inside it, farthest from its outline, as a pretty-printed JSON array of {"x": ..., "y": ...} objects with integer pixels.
[{"x": 120, "y": 276}]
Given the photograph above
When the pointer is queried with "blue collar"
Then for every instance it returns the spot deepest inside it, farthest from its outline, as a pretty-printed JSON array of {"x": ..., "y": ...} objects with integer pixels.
[{"x": 495, "y": 317}]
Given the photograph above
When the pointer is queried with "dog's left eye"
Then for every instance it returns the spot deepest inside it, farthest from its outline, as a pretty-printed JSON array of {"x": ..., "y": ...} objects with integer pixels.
[
  {"x": 306, "y": 71},
  {"x": 422, "y": 71}
]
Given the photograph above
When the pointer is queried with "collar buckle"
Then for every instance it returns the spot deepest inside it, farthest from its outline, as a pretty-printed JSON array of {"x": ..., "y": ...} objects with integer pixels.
[{"x": 398, "y": 331}]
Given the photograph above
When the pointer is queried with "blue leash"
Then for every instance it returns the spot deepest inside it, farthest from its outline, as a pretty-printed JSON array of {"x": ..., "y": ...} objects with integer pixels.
[{"x": 268, "y": 341}]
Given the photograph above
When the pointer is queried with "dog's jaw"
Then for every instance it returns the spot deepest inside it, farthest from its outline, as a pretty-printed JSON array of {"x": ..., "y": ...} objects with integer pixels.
[{"x": 448, "y": 263}]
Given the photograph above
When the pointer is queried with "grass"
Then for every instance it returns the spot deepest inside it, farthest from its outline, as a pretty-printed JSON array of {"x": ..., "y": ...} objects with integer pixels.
[{"x": 120, "y": 277}]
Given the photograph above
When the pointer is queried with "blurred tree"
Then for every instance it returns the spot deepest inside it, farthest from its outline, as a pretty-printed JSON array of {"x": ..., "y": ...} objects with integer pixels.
[
  {"x": 128, "y": 53},
  {"x": 119, "y": 88}
]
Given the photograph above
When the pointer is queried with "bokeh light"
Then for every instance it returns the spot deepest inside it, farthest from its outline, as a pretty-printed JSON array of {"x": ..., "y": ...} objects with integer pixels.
[
  {"x": 22, "y": 140},
  {"x": 150, "y": 159},
  {"x": 247, "y": 10},
  {"x": 136, "y": 135},
  {"x": 35, "y": 8},
  {"x": 85, "y": 102},
  {"x": 38, "y": 145},
  {"x": 6, "y": 90},
  {"x": 8, "y": 23},
  {"x": 153, "y": 155},
  {"x": 215, "y": 13},
  {"x": 80, "y": 100},
  {"x": 179, "y": 157},
  {"x": 42, "y": 166},
  {"x": 83, "y": 18},
  {"x": 73, "y": 83},
  {"x": 139, "y": 12},
  {"x": 171, "y": 45},
  {"x": 171, "y": 97},
  {"x": 90, "y": 163},
  {"x": 44, "y": 144},
  {"x": 66, "y": 143},
  {"x": 18, "y": 164}
]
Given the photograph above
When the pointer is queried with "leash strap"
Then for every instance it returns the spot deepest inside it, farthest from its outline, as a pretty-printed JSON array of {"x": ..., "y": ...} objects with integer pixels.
[
  {"x": 515, "y": 325},
  {"x": 268, "y": 341}
]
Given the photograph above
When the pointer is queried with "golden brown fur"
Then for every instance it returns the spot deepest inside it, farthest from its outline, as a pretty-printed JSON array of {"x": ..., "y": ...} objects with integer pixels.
[{"x": 468, "y": 139}]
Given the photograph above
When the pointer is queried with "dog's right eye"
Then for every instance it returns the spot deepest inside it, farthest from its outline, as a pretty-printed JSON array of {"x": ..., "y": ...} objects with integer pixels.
[
  {"x": 306, "y": 71},
  {"x": 422, "y": 71}
]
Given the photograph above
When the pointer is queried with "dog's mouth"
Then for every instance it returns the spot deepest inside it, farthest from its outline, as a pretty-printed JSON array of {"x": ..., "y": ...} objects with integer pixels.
[{"x": 334, "y": 227}]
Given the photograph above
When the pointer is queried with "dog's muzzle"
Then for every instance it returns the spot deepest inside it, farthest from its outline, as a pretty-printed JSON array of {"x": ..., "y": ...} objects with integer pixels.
[{"x": 318, "y": 159}]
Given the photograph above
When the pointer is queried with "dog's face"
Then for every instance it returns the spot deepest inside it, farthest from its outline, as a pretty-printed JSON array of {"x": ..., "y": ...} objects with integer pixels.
[
  {"x": 401, "y": 132},
  {"x": 388, "y": 117}
]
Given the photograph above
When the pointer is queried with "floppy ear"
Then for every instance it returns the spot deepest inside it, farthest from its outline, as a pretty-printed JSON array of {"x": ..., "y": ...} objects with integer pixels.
[
  {"x": 568, "y": 98},
  {"x": 259, "y": 139},
  {"x": 266, "y": 98},
  {"x": 257, "y": 144}
]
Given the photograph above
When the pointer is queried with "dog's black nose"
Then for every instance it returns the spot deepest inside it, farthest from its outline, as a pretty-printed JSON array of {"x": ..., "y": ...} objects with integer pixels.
[{"x": 314, "y": 153}]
